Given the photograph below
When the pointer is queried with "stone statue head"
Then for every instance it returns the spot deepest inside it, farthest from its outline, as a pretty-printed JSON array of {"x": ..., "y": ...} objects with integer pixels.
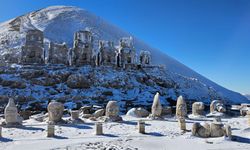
[
  {"x": 55, "y": 110},
  {"x": 156, "y": 106},
  {"x": 112, "y": 109}
]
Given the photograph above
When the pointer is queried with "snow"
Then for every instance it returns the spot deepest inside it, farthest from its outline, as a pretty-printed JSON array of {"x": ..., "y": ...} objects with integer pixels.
[{"x": 160, "y": 135}]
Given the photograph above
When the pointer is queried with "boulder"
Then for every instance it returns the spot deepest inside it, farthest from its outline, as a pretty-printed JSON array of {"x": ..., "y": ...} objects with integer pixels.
[
  {"x": 98, "y": 113},
  {"x": 138, "y": 112},
  {"x": 78, "y": 81}
]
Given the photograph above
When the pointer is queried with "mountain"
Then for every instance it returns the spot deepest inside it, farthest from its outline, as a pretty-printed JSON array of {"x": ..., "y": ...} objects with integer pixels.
[
  {"x": 59, "y": 24},
  {"x": 247, "y": 96}
]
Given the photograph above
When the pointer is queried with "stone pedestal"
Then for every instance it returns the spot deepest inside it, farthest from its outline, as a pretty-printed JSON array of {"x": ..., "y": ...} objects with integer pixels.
[
  {"x": 98, "y": 129},
  {"x": 51, "y": 130},
  {"x": 74, "y": 114},
  {"x": 182, "y": 123},
  {"x": 141, "y": 126}
]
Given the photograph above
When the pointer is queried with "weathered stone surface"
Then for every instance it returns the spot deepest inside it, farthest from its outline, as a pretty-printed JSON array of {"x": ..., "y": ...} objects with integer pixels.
[
  {"x": 182, "y": 123},
  {"x": 198, "y": 108},
  {"x": 99, "y": 113},
  {"x": 217, "y": 106},
  {"x": 55, "y": 110},
  {"x": 181, "y": 107},
  {"x": 248, "y": 115},
  {"x": 201, "y": 130},
  {"x": 11, "y": 114},
  {"x": 112, "y": 112},
  {"x": 87, "y": 115},
  {"x": 112, "y": 109},
  {"x": 98, "y": 128},
  {"x": 216, "y": 130},
  {"x": 141, "y": 126},
  {"x": 76, "y": 81},
  {"x": 50, "y": 130},
  {"x": 138, "y": 112},
  {"x": 156, "y": 108},
  {"x": 74, "y": 114}
]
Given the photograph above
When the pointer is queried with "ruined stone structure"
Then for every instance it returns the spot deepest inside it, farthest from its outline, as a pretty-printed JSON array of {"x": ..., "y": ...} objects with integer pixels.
[
  {"x": 83, "y": 48},
  {"x": 145, "y": 58},
  {"x": 55, "y": 110},
  {"x": 33, "y": 50},
  {"x": 83, "y": 52},
  {"x": 58, "y": 54},
  {"x": 181, "y": 108},
  {"x": 107, "y": 53},
  {"x": 126, "y": 55},
  {"x": 11, "y": 114}
]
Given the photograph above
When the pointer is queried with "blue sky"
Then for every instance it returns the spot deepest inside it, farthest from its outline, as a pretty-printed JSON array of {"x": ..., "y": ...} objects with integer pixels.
[{"x": 210, "y": 36}]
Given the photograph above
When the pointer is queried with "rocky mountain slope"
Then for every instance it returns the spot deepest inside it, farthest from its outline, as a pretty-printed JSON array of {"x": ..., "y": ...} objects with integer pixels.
[{"x": 59, "y": 24}]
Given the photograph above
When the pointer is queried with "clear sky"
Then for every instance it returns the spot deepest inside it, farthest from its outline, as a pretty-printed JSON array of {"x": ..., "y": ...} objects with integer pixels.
[{"x": 210, "y": 36}]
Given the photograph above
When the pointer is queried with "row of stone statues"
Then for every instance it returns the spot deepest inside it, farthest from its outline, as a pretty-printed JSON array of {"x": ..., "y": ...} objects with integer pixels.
[{"x": 56, "y": 109}]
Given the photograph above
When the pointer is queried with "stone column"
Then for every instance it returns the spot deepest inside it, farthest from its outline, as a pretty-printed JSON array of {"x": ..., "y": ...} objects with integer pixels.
[
  {"x": 98, "y": 128},
  {"x": 182, "y": 123},
  {"x": 141, "y": 126},
  {"x": 74, "y": 114},
  {"x": 51, "y": 130}
]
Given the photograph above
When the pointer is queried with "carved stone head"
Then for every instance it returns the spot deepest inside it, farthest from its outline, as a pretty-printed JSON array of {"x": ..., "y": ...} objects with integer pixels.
[
  {"x": 55, "y": 110},
  {"x": 181, "y": 107},
  {"x": 112, "y": 109}
]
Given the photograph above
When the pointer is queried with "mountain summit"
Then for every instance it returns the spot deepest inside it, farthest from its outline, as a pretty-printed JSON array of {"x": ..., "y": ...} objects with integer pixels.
[{"x": 59, "y": 23}]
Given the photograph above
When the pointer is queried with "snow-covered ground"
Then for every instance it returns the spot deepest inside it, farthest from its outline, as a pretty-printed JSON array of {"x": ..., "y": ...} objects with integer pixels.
[{"x": 160, "y": 135}]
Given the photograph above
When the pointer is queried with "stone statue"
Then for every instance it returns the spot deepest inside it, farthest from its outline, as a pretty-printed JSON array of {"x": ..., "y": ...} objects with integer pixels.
[
  {"x": 217, "y": 106},
  {"x": 112, "y": 112},
  {"x": 181, "y": 107},
  {"x": 215, "y": 129},
  {"x": 197, "y": 111},
  {"x": 156, "y": 106},
  {"x": 11, "y": 114},
  {"x": 201, "y": 130},
  {"x": 55, "y": 110}
]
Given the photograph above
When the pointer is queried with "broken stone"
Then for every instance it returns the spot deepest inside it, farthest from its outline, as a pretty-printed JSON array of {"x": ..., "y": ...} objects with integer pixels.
[{"x": 201, "y": 130}]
